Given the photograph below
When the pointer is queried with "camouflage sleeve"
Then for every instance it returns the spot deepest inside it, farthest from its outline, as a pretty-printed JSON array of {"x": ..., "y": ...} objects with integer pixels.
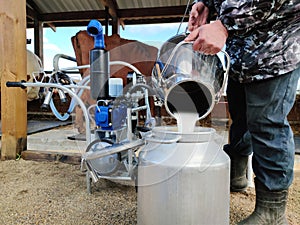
[
  {"x": 242, "y": 16},
  {"x": 209, "y": 4}
]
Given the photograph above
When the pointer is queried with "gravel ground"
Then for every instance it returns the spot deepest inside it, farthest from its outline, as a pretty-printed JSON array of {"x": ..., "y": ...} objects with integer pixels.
[{"x": 55, "y": 193}]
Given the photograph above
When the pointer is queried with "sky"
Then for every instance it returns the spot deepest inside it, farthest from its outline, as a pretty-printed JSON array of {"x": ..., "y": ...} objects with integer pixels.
[{"x": 59, "y": 42}]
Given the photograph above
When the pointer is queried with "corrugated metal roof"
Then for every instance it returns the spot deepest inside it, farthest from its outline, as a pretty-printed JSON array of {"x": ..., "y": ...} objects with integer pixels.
[
  {"x": 149, "y": 3},
  {"x": 56, "y": 6},
  {"x": 63, "y": 12}
]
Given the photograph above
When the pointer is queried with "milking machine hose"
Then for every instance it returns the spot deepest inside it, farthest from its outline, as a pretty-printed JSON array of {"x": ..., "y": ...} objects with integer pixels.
[
  {"x": 112, "y": 63},
  {"x": 65, "y": 88},
  {"x": 72, "y": 105},
  {"x": 83, "y": 82},
  {"x": 75, "y": 95}
]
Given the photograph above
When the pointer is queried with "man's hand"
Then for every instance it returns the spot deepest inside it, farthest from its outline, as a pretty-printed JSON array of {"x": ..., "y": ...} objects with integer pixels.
[
  {"x": 209, "y": 38},
  {"x": 198, "y": 16}
]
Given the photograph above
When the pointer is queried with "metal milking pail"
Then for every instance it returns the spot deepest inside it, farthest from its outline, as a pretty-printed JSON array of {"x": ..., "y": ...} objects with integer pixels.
[
  {"x": 182, "y": 73},
  {"x": 184, "y": 178}
]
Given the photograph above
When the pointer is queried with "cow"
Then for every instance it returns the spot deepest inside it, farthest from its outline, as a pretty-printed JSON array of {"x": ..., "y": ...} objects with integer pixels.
[
  {"x": 138, "y": 54},
  {"x": 34, "y": 68}
]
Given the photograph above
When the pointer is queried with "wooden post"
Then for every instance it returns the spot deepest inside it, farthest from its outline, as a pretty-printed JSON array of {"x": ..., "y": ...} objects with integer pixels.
[
  {"x": 13, "y": 68},
  {"x": 115, "y": 25},
  {"x": 38, "y": 39}
]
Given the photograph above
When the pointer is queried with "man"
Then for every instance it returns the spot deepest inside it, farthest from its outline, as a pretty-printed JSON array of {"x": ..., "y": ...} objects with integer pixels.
[{"x": 263, "y": 41}]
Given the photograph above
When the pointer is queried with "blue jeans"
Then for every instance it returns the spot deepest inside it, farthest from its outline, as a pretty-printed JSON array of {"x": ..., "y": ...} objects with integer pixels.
[{"x": 259, "y": 124}]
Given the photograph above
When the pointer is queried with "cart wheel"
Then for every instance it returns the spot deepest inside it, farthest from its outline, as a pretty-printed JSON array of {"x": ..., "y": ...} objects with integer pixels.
[{"x": 88, "y": 183}]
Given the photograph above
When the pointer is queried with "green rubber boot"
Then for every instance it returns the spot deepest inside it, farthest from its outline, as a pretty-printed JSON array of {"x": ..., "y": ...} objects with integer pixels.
[
  {"x": 269, "y": 207},
  {"x": 238, "y": 171}
]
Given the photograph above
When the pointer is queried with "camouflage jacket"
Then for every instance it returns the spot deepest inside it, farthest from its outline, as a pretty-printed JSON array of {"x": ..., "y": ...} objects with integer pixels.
[{"x": 264, "y": 36}]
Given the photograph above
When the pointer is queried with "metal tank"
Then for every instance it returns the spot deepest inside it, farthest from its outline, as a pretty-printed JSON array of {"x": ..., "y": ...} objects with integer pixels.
[{"x": 183, "y": 179}]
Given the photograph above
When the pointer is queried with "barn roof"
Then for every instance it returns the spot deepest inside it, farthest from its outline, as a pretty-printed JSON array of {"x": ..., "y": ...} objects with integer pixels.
[{"x": 58, "y": 13}]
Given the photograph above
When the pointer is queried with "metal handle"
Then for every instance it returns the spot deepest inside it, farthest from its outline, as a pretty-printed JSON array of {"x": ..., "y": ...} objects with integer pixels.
[
  {"x": 163, "y": 141},
  {"x": 89, "y": 155},
  {"x": 15, "y": 84},
  {"x": 57, "y": 58},
  {"x": 226, "y": 67}
]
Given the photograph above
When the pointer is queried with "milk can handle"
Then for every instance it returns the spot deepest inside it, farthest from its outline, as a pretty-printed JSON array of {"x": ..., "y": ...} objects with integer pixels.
[
  {"x": 225, "y": 67},
  {"x": 170, "y": 58},
  {"x": 163, "y": 141}
]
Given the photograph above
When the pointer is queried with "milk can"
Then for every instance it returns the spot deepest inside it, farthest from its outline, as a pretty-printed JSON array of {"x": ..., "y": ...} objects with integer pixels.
[
  {"x": 183, "y": 179},
  {"x": 183, "y": 172}
]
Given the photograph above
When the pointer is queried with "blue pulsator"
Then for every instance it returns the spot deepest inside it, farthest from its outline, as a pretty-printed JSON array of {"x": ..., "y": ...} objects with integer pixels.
[
  {"x": 95, "y": 29},
  {"x": 109, "y": 117}
]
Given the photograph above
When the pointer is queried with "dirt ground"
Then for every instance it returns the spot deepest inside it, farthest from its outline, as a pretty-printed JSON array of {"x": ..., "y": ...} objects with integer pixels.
[{"x": 55, "y": 193}]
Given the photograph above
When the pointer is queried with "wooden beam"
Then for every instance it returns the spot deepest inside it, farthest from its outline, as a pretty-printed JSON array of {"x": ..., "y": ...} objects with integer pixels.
[
  {"x": 113, "y": 8},
  {"x": 45, "y": 155},
  {"x": 38, "y": 39},
  {"x": 106, "y": 20},
  {"x": 13, "y": 68},
  {"x": 35, "y": 8},
  {"x": 33, "y": 12},
  {"x": 72, "y": 16},
  {"x": 30, "y": 13},
  {"x": 152, "y": 12},
  {"x": 52, "y": 26},
  {"x": 126, "y": 21},
  {"x": 115, "y": 26}
]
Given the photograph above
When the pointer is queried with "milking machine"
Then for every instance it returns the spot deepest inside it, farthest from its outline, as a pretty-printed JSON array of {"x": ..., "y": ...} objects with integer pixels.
[
  {"x": 113, "y": 142},
  {"x": 181, "y": 172},
  {"x": 112, "y": 154}
]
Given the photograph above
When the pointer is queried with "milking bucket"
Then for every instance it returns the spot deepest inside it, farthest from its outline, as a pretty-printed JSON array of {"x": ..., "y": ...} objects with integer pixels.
[
  {"x": 185, "y": 78},
  {"x": 183, "y": 179}
]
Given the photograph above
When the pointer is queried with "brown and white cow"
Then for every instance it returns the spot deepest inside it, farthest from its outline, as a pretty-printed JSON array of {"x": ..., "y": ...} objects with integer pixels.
[
  {"x": 138, "y": 54},
  {"x": 34, "y": 68}
]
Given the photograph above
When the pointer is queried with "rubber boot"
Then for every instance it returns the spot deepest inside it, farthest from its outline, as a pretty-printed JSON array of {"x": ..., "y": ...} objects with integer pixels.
[
  {"x": 238, "y": 171},
  {"x": 269, "y": 207}
]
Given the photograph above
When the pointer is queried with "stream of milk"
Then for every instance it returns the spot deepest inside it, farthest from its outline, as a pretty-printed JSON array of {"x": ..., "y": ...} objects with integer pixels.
[
  {"x": 186, "y": 101},
  {"x": 186, "y": 121}
]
